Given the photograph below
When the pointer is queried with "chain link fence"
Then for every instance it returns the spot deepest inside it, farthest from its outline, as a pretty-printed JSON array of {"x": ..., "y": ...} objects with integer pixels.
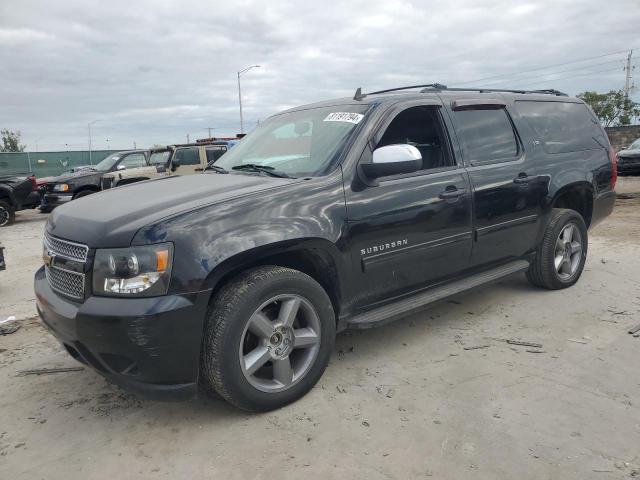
[{"x": 48, "y": 164}]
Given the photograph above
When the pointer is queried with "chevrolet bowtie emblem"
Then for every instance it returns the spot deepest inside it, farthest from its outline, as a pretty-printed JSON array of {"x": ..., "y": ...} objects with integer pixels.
[{"x": 48, "y": 258}]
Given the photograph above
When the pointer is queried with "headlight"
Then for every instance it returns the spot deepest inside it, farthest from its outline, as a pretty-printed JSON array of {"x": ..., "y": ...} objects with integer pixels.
[
  {"x": 133, "y": 272},
  {"x": 61, "y": 187}
]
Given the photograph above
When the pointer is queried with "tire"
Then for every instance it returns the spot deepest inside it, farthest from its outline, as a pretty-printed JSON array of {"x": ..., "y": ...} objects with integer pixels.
[
  {"x": 229, "y": 336},
  {"x": 565, "y": 228},
  {"x": 83, "y": 193},
  {"x": 7, "y": 214}
]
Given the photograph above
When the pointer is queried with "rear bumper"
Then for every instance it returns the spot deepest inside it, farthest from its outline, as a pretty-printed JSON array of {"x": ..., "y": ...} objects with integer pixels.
[
  {"x": 148, "y": 346},
  {"x": 602, "y": 207}
]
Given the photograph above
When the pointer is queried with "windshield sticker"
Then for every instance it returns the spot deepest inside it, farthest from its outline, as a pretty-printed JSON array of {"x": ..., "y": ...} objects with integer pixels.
[{"x": 344, "y": 117}]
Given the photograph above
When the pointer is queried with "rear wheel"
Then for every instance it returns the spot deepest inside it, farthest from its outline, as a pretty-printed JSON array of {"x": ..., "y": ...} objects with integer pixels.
[
  {"x": 268, "y": 338},
  {"x": 561, "y": 255},
  {"x": 7, "y": 214}
]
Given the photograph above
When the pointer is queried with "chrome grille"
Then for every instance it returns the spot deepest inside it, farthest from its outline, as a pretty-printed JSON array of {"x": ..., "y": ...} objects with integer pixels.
[
  {"x": 64, "y": 248},
  {"x": 66, "y": 282}
]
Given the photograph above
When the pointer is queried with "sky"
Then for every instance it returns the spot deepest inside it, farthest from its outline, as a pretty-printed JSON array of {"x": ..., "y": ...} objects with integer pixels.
[{"x": 154, "y": 71}]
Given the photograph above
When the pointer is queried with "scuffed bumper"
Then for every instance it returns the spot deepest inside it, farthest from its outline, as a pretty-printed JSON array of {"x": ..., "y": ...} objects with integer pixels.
[{"x": 148, "y": 346}]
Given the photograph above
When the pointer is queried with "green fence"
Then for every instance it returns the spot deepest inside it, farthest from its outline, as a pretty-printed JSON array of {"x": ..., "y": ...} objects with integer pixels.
[{"x": 47, "y": 164}]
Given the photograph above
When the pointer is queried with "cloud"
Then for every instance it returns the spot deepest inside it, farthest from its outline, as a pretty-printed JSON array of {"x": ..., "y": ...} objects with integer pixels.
[{"x": 155, "y": 71}]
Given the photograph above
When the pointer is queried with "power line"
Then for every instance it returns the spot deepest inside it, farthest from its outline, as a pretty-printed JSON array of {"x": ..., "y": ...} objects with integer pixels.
[
  {"x": 567, "y": 77},
  {"x": 552, "y": 73},
  {"x": 544, "y": 67}
]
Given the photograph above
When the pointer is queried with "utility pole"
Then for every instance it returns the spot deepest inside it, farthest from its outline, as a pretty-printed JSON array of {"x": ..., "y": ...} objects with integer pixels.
[
  {"x": 135, "y": 147},
  {"x": 240, "y": 73},
  {"x": 188, "y": 141},
  {"x": 89, "y": 128},
  {"x": 628, "y": 82}
]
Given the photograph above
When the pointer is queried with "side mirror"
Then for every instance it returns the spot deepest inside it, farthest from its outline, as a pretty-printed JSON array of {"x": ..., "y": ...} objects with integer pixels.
[
  {"x": 393, "y": 160},
  {"x": 121, "y": 167}
]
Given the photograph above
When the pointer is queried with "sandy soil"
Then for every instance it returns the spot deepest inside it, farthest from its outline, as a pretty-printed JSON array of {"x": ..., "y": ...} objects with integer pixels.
[{"x": 409, "y": 400}]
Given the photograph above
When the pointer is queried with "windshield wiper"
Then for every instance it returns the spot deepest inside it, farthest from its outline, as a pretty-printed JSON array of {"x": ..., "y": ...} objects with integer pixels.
[
  {"x": 253, "y": 167},
  {"x": 216, "y": 168}
]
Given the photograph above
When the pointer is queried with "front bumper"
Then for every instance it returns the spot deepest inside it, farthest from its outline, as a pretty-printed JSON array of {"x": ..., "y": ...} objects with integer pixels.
[
  {"x": 148, "y": 346},
  {"x": 52, "y": 200},
  {"x": 628, "y": 164}
]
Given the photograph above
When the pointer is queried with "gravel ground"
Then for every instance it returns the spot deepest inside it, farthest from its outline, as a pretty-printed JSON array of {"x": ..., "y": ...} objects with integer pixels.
[{"x": 413, "y": 399}]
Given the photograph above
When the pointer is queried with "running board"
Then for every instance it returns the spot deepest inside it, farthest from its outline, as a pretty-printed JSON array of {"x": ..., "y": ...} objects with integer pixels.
[{"x": 406, "y": 306}]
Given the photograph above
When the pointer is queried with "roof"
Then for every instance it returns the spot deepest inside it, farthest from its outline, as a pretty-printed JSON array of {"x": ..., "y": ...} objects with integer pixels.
[{"x": 436, "y": 91}]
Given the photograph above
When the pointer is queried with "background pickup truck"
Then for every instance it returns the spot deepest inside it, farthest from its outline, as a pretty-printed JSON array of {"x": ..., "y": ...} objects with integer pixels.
[
  {"x": 17, "y": 192},
  {"x": 184, "y": 159}
]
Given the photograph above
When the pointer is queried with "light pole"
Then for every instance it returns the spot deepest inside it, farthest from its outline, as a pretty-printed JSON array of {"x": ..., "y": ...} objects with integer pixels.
[
  {"x": 240, "y": 73},
  {"x": 89, "y": 128}
]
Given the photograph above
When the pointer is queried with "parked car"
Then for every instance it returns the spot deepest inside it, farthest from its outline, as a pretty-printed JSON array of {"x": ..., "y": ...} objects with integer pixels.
[
  {"x": 629, "y": 159},
  {"x": 17, "y": 192},
  {"x": 185, "y": 159},
  {"x": 3, "y": 265},
  {"x": 344, "y": 214},
  {"x": 85, "y": 181}
]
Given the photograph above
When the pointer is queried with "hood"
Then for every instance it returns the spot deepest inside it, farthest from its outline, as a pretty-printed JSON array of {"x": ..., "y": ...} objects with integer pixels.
[
  {"x": 629, "y": 153},
  {"x": 112, "y": 217},
  {"x": 70, "y": 177}
]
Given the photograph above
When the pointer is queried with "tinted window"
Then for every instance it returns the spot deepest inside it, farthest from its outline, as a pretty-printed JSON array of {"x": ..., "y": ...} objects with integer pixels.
[
  {"x": 187, "y": 156},
  {"x": 486, "y": 135},
  {"x": 214, "y": 153},
  {"x": 134, "y": 160},
  {"x": 420, "y": 127},
  {"x": 563, "y": 126}
]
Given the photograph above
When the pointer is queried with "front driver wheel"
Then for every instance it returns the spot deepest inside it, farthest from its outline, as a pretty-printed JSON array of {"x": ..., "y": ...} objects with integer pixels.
[
  {"x": 7, "y": 214},
  {"x": 268, "y": 338}
]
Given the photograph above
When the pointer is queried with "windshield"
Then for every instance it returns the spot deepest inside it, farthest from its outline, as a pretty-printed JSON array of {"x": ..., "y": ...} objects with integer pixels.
[
  {"x": 299, "y": 144},
  {"x": 635, "y": 145},
  {"x": 107, "y": 164}
]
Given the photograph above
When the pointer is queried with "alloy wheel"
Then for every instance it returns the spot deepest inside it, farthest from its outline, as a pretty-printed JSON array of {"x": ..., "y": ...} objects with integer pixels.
[
  {"x": 280, "y": 343},
  {"x": 4, "y": 216},
  {"x": 568, "y": 251}
]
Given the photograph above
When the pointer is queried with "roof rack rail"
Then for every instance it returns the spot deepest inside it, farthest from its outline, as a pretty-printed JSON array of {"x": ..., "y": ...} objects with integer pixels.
[
  {"x": 436, "y": 87},
  {"x": 549, "y": 91}
]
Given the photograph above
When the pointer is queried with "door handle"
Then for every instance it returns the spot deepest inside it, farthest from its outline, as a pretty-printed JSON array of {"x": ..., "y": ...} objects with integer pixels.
[
  {"x": 452, "y": 193},
  {"x": 524, "y": 179}
]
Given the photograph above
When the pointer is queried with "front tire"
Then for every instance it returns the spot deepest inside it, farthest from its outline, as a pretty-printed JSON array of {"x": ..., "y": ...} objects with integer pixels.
[
  {"x": 268, "y": 338},
  {"x": 7, "y": 214},
  {"x": 561, "y": 255}
]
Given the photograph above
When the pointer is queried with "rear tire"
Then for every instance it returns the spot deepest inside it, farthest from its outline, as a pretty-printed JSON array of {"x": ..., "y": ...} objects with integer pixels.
[
  {"x": 7, "y": 214},
  {"x": 562, "y": 253},
  {"x": 279, "y": 317}
]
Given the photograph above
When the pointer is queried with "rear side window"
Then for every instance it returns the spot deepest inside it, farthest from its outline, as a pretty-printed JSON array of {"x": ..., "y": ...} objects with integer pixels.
[
  {"x": 187, "y": 156},
  {"x": 486, "y": 135},
  {"x": 562, "y": 126},
  {"x": 214, "y": 153}
]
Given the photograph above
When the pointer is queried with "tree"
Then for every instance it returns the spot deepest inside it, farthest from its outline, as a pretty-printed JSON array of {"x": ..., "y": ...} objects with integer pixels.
[
  {"x": 612, "y": 108},
  {"x": 11, "y": 141}
]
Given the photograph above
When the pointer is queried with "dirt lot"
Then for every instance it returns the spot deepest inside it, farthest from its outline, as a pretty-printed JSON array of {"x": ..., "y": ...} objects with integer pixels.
[{"x": 409, "y": 400}]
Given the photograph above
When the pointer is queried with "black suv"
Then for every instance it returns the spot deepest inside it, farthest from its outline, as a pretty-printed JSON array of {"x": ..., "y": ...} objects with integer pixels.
[
  {"x": 85, "y": 181},
  {"x": 343, "y": 214}
]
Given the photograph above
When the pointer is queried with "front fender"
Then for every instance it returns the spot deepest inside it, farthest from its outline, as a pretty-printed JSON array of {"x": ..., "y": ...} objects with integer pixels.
[{"x": 209, "y": 240}]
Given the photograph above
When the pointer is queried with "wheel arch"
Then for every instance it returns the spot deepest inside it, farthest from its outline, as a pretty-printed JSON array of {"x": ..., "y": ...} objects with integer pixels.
[
  {"x": 84, "y": 188},
  {"x": 577, "y": 196},
  {"x": 316, "y": 257}
]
